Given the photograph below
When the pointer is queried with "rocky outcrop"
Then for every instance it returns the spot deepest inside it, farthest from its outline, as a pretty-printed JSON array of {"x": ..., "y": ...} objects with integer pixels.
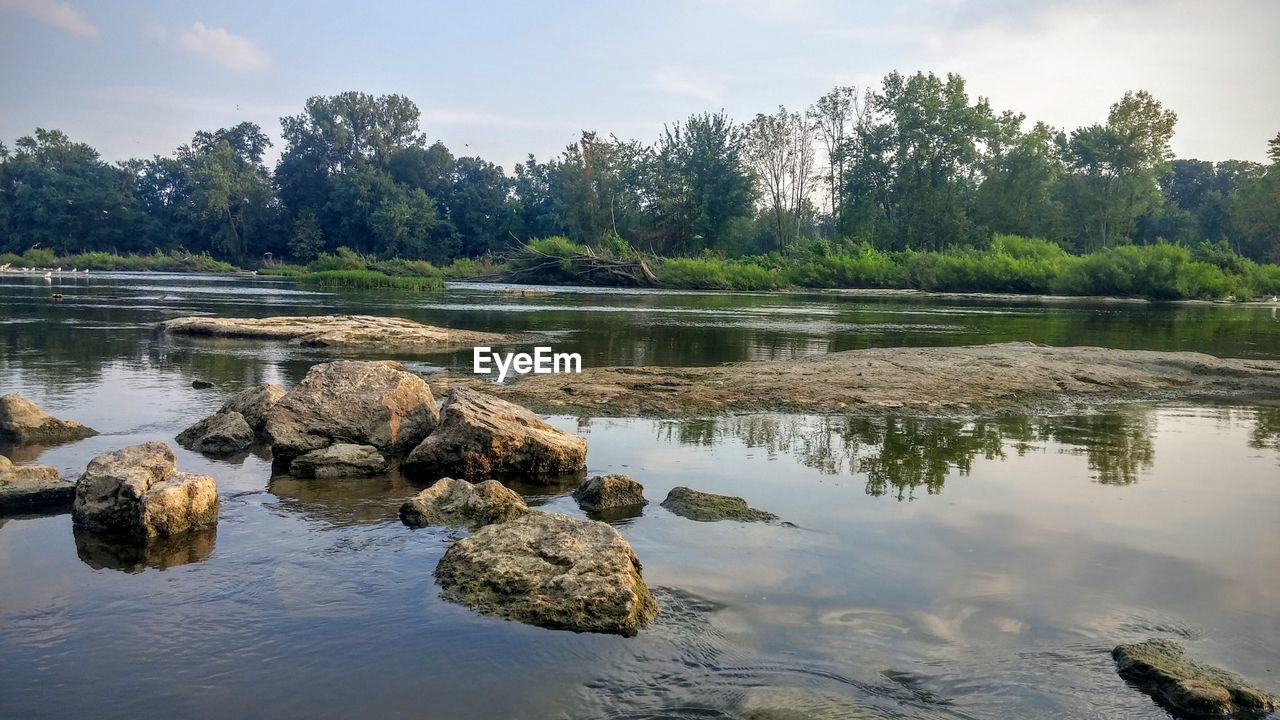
[
  {"x": 1161, "y": 669},
  {"x": 1004, "y": 376},
  {"x": 22, "y": 421},
  {"x": 353, "y": 401},
  {"x": 550, "y": 570},
  {"x": 222, "y": 433},
  {"x": 33, "y": 488},
  {"x": 609, "y": 492},
  {"x": 459, "y": 503},
  {"x": 709, "y": 507},
  {"x": 138, "y": 491},
  {"x": 339, "y": 461},
  {"x": 254, "y": 403},
  {"x": 482, "y": 436},
  {"x": 337, "y": 331}
]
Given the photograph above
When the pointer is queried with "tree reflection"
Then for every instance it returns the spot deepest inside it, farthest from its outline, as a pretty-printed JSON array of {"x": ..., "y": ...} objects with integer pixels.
[{"x": 901, "y": 455}]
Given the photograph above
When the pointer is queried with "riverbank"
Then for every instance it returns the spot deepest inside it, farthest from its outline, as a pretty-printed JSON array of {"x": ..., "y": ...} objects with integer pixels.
[{"x": 1002, "y": 378}]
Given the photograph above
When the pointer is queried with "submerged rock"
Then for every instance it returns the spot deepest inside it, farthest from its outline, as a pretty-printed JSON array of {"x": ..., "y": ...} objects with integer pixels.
[
  {"x": 339, "y": 461},
  {"x": 709, "y": 507},
  {"x": 100, "y": 550},
  {"x": 550, "y": 570},
  {"x": 33, "y": 488},
  {"x": 482, "y": 436},
  {"x": 463, "y": 504},
  {"x": 22, "y": 421},
  {"x": 254, "y": 403},
  {"x": 609, "y": 492},
  {"x": 333, "y": 331},
  {"x": 138, "y": 491},
  {"x": 201, "y": 384},
  {"x": 222, "y": 433},
  {"x": 353, "y": 401},
  {"x": 1161, "y": 669}
]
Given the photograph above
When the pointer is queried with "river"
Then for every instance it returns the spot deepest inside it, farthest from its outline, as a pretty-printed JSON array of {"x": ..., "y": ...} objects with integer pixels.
[{"x": 937, "y": 567}]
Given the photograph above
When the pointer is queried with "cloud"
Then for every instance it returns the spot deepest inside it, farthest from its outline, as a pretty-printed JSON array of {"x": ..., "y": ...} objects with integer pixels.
[
  {"x": 680, "y": 81},
  {"x": 54, "y": 12},
  {"x": 231, "y": 51},
  {"x": 445, "y": 117}
]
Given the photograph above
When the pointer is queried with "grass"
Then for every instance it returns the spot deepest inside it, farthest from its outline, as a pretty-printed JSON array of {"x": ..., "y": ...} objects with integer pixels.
[
  {"x": 172, "y": 261},
  {"x": 1011, "y": 264},
  {"x": 370, "y": 279}
]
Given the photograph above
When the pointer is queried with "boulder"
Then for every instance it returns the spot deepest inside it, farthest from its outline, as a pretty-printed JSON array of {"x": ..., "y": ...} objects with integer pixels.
[
  {"x": 254, "y": 403},
  {"x": 22, "y": 421},
  {"x": 353, "y": 401},
  {"x": 550, "y": 570},
  {"x": 1161, "y": 669},
  {"x": 222, "y": 433},
  {"x": 462, "y": 504},
  {"x": 138, "y": 491},
  {"x": 201, "y": 384},
  {"x": 339, "y": 461},
  {"x": 33, "y": 488},
  {"x": 481, "y": 436},
  {"x": 609, "y": 492},
  {"x": 709, "y": 507}
]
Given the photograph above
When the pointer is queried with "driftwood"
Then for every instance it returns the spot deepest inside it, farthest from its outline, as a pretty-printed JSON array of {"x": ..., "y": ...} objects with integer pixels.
[{"x": 531, "y": 265}]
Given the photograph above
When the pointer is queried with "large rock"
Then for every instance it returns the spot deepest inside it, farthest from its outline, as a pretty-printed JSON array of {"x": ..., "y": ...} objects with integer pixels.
[
  {"x": 1162, "y": 669},
  {"x": 482, "y": 436},
  {"x": 339, "y": 461},
  {"x": 254, "y": 403},
  {"x": 140, "y": 492},
  {"x": 709, "y": 507},
  {"x": 463, "y": 504},
  {"x": 609, "y": 492},
  {"x": 22, "y": 421},
  {"x": 550, "y": 570},
  {"x": 222, "y": 433},
  {"x": 353, "y": 401},
  {"x": 337, "y": 331},
  {"x": 33, "y": 488}
]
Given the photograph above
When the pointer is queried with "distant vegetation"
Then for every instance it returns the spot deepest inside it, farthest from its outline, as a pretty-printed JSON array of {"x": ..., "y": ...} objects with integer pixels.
[{"x": 911, "y": 183}]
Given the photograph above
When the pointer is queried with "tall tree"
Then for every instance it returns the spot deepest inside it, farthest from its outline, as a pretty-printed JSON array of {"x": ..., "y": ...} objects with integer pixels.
[
  {"x": 836, "y": 116},
  {"x": 1115, "y": 168},
  {"x": 779, "y": 148}
]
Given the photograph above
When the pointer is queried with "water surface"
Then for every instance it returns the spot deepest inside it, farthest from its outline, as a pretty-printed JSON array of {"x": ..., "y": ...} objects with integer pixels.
[{"x": 938, "y": 568}]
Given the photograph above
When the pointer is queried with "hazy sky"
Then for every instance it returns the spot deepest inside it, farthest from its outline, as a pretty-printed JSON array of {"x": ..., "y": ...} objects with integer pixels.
[{"x": 501, "y": 80}]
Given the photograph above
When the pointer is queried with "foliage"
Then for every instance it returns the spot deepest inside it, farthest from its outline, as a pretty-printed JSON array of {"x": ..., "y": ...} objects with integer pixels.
[{"x": 370, "y": 279}]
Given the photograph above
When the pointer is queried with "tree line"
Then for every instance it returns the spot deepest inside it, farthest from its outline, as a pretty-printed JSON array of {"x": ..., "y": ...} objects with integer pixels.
[{"x": 914, "y": 163}]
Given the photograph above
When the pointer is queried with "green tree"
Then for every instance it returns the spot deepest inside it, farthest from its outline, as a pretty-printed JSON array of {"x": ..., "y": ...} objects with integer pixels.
[{"x": 1114, "y": 170}]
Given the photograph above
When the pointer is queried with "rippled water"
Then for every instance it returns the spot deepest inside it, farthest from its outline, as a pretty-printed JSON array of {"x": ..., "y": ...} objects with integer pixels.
[{"x": 939, "y": 568}]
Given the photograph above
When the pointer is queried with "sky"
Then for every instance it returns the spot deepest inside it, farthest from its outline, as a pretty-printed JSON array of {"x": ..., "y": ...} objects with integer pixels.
[{"x": 136, "y": 78}]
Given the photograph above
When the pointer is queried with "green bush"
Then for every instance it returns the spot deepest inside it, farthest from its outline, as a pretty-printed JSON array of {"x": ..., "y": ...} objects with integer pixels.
[
  {"x": 343, "y": 259},
  {"x": 370, "y": 279},
  {"x": 39, "y": 257},
  {"x": 707, "y": 273}
]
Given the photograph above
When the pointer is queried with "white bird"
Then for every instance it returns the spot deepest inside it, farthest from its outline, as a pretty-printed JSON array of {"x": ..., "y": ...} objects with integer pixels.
[{"x": 48, "y": 276}]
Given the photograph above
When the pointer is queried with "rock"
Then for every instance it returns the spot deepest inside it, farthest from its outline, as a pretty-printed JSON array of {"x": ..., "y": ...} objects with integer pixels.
[
  {"x": 22, "y": 421},
  {"x": 481, "y": 436},
  {"x": 338, "y": 461},
  {"x": 110, "y": 551},
  {"x": 353, "y": 401},
  {"x": 254, "y": 403},
  {"x": 1161, "y": 669},
  {"x": 33, "y": 488},
  {"x": 709, "y": 507},
  {"x": 463, "y": 504},
  {"x": 201, "y": 384},
  {"x": 334, "y": 331},
  {"x": 138, "y": 491},
  {"x": 222, "y": 433},
  {"x": 550, "y": 570},
  {"x": 609, "y": 492}
]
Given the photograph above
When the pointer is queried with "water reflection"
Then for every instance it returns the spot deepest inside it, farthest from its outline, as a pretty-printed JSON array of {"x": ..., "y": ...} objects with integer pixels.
[
  {"x": 344, "y": 501},
  {"x": 900, "y": 456},
  {"x": 132, "y": 555}
]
